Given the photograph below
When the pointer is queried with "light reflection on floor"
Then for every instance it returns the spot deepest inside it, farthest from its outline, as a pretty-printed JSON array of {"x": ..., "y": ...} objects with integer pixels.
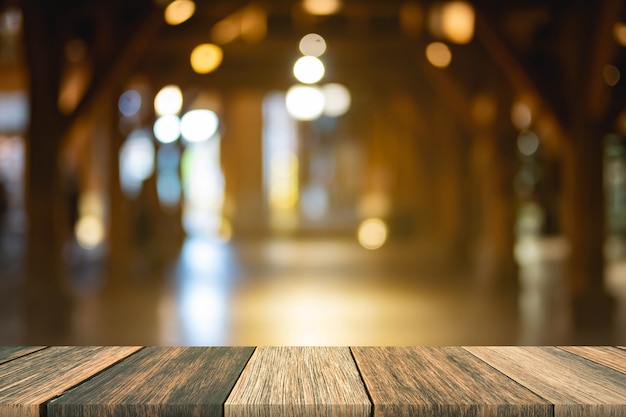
[{"x": 312, "y": 292}]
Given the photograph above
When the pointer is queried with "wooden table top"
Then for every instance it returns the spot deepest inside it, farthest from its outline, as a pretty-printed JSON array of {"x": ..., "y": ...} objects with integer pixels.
[{"x": 498, "y": 381}]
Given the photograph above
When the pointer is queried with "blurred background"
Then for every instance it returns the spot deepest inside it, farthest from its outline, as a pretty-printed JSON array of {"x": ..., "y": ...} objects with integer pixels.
[{"x": 312, "y": 172}]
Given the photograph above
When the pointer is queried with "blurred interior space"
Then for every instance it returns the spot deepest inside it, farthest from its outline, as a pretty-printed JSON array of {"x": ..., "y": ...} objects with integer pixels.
[{"x": 312, "y": 172}]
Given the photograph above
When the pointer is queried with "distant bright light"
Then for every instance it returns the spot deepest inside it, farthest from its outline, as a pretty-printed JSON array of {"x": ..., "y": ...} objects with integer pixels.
[
  {"x": 253, "y": 24},
  {"x": 198, "y": 125},
  {"x": 225, "y": 31},
  {"x": 206, "y": 58},
  {"x": 129, "y": 103},
  {"x": 619, "y": 32},
  {"x": 458, "y": 21},
  {"x": 305, "y": 102},
  {"x": 312, "y": 45},
  {"x": 372, "y": 233},
  {"x": 521, "y": 116},
  {"x": 438, "y": 54},
  {"x": 308, "y": 69},
  {"x": 527, "y": 142},
  {"x": 284, "y": 189},
  {"x": 169, "y": 100},
  {"x": 136, "y": 161},
  {"x": 321, "y": 7},
  {"x": 167, "y": 128},
  {"x": 336, "y": 99},
  {"x": 168, "y": 188},
  {"x": 89, "y": 231},
  {"x": 611, "y": 75},
  {"x": 179, "y": 11}
]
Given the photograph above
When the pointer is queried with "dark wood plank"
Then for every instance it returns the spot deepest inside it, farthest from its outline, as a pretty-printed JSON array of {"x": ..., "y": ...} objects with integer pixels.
[
  {"x": 28, "y": 382},
  {"x": 299, "y": 381},
  {"x": 8, "y": 353},
  {"x": 441, "y": 382},
  {"x": 159, "y": 381},
  {"x": 605, "y": 355},
  {"x": 577, "y": 387}
]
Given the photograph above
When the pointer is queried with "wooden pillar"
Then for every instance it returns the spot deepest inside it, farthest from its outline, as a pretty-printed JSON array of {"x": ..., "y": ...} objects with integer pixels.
[
  {"x": 242, "y": 162},
  {"x": 583, "y": 217}
]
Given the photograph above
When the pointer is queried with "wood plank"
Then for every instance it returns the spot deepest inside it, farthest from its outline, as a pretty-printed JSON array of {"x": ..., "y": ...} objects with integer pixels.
[
  {"x": 441, "y": 382},
  {"x": 577, "y": 387},
  {"x": 605, "y": 355},
  {"x": 299, "y": 381},
  {"x": 8, "y": 353},
  {"x": 28, "y": 382},
  {"x": 159, "y": 381}
]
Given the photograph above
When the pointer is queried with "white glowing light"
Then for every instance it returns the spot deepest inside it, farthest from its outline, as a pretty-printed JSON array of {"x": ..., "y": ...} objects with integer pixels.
[
  {"x": 305, "y": 102},
  {"x": 136, "y": 161},
  {"x": 312, "y": 45},
  {"x": 337, "y": 99},
  {"x": 198, "y": 125},
  {"x": 308, "y": 69},
  {"x": 167, "y": 128},
  {"x": 169, "y": 100}
]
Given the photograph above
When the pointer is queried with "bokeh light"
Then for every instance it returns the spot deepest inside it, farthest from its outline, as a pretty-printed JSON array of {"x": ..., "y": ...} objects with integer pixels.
[
  {"x": 438, "y": 54},
  {"x": 312, "y": 45},
  {"x": 89, "y": 231},
  {"x": 179, "y": 11},
  {"x": 521, "y": 115},
  {"x": 458, "y": 21},
  {"x": 336, "y": 99},
  {"x": 305, "y": 102},
  {"x": 611, "y": 75},
  {"x": 308, "y": 69},
  {"x": 619, "y": 33},
  {"x": 484, "y": 109},
  {"x": 198, "y": 125},
  {"x": 136, "y": 161},
  {"x": 129, "y": 103},
  {"x": 321, "y": 7},
  {"x": 167, "y": 128},
  {"x": 527, "y": 142},
  {"x": 206, "y": 58},
  {"x": 284, "y": 189},
  {"x": 253, "y": 23},
  {"x": 169, "y": 100},
  {"x": 372, "y": 233}
]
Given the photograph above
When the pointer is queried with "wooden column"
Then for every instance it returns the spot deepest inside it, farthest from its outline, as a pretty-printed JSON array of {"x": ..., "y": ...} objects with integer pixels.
[{"x": 242, "y": 161}]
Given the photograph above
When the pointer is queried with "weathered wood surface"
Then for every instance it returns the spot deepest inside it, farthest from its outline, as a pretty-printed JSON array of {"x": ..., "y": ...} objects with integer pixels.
[
  {"x": 28, "y": 382},
  {"x": 605, "y": 355},
  {"x": 441, "y": 381},
  {"x": 8, "y": 353},
  {"x": 159, "y": 381},
  {"x": 501, "y": 381},
  {"x": 299, "y": 381},
  {"x": 576, "y": 386}
]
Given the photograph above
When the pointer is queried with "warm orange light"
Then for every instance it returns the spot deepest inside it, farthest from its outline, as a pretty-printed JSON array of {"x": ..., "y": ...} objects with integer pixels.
[
  {"x": 411, "y": 18},
  {"x": 321, "y": 7},
  {"x": 206, "y": 58},
  {"x": 438, "y": 54},
  {"x": 619, "y": 32},
  {"x": 179, "y": 11}
]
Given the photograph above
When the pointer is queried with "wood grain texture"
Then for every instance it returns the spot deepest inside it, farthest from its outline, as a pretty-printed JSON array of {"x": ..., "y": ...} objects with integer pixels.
[
  {"x": 8, "y": 353},
  {"x": 299, "y": 381},
  {"x": 441, "y": 382},
  {"x": 605, "y": 355},
  {"x": 28, "y": 382},
  {"x": 159, "y": 381},
  {"x": 577, "y": 387}
]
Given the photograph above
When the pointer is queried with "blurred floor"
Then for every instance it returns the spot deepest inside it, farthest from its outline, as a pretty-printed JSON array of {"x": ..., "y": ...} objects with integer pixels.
[{"x": 300, "y": 292}]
